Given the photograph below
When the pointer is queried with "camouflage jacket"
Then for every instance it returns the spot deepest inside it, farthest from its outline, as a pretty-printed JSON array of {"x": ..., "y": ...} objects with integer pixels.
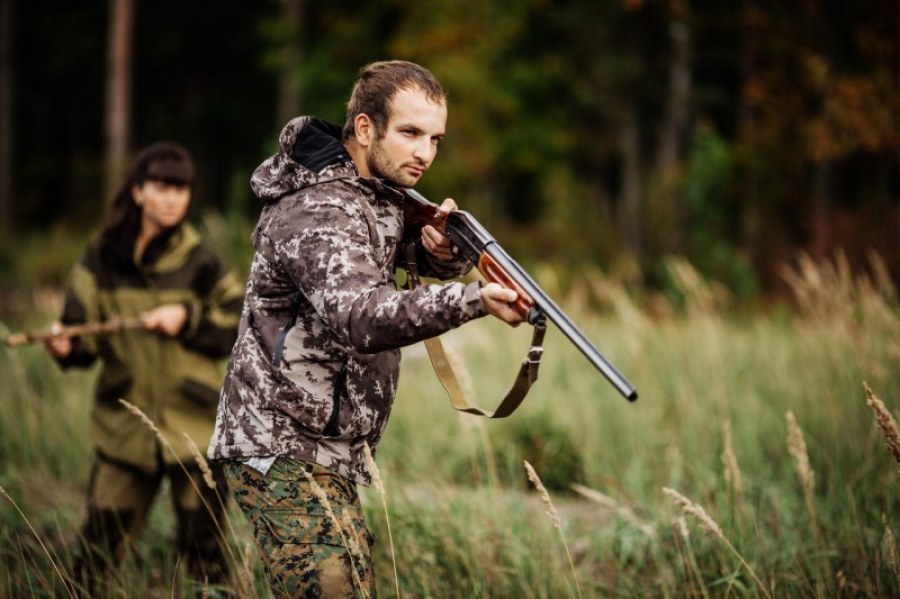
[
  {"x": 174, "y": 381},
  {"x": 314, "y": 371}
]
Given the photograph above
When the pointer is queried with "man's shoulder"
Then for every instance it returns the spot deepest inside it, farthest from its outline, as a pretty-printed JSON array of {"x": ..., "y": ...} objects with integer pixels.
[{"x": 333, "y": 194}]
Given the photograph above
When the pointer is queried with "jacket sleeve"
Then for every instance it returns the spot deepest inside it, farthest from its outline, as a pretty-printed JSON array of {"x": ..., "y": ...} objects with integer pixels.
[
  {"x": 213, "y": 315},
  {"x": 81, "y": 306},
  {"x": 329, "y": 256},
  {"x": 431, "y": 266}
]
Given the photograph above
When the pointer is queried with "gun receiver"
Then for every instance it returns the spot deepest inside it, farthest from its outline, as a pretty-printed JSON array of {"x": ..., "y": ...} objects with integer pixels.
[{"x": 471, "y": 239}]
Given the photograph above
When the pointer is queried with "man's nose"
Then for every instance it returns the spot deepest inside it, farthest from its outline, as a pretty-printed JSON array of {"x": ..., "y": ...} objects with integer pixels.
[{"x": 424, "y": 151}]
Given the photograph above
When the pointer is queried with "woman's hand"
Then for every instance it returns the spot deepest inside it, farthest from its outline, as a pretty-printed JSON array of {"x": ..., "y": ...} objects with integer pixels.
[
  {"x": 60, "y": 344},
  {"x": 167, "y": 319}
]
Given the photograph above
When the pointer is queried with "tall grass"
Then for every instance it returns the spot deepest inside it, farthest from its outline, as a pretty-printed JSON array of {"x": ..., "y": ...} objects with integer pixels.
[{"x": 804, "y": 505}]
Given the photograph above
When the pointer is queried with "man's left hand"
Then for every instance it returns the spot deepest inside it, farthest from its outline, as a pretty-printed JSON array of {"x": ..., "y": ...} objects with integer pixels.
[{"x": 438, "y": 244}]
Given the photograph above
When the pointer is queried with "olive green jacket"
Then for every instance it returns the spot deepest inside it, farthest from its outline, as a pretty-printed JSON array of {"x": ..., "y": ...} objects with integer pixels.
[{"x": 174, "y": 381}]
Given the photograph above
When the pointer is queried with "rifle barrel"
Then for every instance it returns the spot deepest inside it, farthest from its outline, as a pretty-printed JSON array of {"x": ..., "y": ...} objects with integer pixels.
[
  {"x": 472, "y": 239},
  {"x": 553, "y": 312}
]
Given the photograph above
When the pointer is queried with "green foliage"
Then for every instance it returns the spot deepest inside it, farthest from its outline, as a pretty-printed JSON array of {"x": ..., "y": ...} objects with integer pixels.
[
  {"x": 560, "y": 114},
  {"x": 713, "y": 227},
  {"x": 548, "y": 446},
  {"x": 40, "y": 258}
]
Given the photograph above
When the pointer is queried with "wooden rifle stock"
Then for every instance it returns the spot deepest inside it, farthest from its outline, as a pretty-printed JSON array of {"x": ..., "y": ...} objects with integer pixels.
[
  {"x": 106, "y": 327},
  {"x": 473, "y": 241}
]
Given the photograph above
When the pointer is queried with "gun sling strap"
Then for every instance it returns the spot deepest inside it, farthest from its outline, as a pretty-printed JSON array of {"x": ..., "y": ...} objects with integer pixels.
[{"x": 528, "y": 371}]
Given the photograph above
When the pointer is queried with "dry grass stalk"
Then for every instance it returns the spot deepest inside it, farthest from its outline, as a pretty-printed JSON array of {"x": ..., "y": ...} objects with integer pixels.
[
  {"x": 701, "y": 296},
  {"x": 692, "y": 509},
  {"x": 691, "y": 567},
  {"x": 201, "y": 462},
  {"x": 379, "y": 486},
  {"x": 797, "y": 449},
  {"x": 891, "y": 543},
  {"x": 729, "y": 461},
  {"x": 885, "y": 422},
  {"x": 608, "y": 502},
  {"x": 319, "y": 492},
  {"x": 545, "y": 496},
  {"x": 822, "y": 290},
  {"x": 681, "y": 526},
  {"x": 163, "y": 441},
  {"x": 67, "y": 583},
  {"x": 352, "y": 534},
  {"x": 554, "y": 516},
  {"x": 708, "y": 524},
  {"x": 881, "y": 275},
  {"x": 246, "y": 572},
  {"x": 150, "y": 424}
]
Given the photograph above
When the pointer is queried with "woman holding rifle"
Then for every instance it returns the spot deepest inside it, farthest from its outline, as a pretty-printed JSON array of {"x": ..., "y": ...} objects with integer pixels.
[{"x": 148, "y": 265}]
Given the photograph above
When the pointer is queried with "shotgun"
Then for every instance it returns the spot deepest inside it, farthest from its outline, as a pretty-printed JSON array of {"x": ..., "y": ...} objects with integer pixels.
[{"x": 470, "y": 239}]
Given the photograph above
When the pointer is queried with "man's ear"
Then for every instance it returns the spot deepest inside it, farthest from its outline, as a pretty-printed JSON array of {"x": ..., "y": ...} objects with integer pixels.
[{"x": 363, "y": 129}]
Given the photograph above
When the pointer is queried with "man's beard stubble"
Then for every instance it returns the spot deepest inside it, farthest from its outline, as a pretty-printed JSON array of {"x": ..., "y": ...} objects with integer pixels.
[{"x": 380, "y": 167}]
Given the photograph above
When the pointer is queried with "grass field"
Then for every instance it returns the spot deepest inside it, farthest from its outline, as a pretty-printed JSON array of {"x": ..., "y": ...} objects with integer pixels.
[{"x": 762, "y": 458}]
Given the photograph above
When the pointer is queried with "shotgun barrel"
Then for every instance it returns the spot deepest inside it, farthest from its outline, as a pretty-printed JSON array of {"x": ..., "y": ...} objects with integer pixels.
[{"x": 472, "y": 239}]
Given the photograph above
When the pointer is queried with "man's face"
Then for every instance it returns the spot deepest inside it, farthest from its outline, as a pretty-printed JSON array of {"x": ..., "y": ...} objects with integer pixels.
[{"x": 410, "y": 142}]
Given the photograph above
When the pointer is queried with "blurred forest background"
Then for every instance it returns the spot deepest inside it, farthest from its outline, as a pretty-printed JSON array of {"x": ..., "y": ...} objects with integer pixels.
[
  {"x": 641, "y": 155},
  {"x": 614, "y": 134}
]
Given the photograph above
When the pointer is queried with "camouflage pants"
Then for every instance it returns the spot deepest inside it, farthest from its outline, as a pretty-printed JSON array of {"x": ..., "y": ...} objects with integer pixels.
[{"x": 312, "y": 536}]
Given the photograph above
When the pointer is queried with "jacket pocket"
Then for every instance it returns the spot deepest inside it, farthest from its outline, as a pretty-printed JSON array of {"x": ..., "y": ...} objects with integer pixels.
[
  {"x": 334, "y": 421},
  {"x": 282, "y": 338}
]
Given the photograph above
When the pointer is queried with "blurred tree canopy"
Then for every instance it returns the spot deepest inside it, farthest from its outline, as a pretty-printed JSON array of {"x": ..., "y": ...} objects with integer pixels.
[{"x": 583, "y": 132}]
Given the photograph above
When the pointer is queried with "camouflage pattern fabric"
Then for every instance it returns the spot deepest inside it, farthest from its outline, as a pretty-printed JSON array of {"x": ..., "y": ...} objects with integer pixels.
[
  {"x": 314, "y": 370},
  {"x": 312, "y": 536}
]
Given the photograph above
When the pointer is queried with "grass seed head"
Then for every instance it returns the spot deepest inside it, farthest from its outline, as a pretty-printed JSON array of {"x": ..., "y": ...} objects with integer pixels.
[
  {"x": 692, "y": 509},
  {"x": 885, "y": 422},
  {"x": 545, "y": 496}
]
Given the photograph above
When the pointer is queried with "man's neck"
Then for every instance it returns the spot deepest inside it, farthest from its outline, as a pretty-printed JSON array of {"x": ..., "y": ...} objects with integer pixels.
[{"x": 357, "y": 154}]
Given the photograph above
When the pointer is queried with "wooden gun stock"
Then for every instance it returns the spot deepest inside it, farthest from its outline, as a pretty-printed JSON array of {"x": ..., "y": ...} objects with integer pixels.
[
  {"x": 107, "y": 327},
  {"x": 473, "y": 241}
]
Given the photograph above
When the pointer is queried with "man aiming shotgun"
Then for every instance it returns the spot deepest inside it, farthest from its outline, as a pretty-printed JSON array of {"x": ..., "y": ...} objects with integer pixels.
[{"x": 313, "y": 374}]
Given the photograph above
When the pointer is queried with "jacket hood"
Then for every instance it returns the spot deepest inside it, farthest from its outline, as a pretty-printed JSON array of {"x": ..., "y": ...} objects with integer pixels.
[{"x": 310, "y": 152}]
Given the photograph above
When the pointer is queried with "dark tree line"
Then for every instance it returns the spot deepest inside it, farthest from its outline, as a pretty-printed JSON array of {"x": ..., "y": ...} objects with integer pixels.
[{"x": 612, "y": 133}]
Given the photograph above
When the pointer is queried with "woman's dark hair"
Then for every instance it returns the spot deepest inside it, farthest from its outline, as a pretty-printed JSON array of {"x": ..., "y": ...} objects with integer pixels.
[
  {"x": 376, "y": 87},
  {"x": 166, "y": 162}
]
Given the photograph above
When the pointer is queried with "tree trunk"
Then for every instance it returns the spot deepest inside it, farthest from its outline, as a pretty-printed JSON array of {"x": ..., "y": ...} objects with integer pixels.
[
  {"x": 630, "y": 202},
  {"x": 7, "y": 14},
  {"x": 675, "y": 120},
  {"x": 120, "y": 37},
  {"x": 671, "y": 141},
  {"x": 751, "y": 212},
  {"x": 289, "y": 93}
]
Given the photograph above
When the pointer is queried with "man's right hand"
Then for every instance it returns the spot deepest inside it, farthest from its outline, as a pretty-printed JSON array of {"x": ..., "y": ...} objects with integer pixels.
[
  {"x": 60, "y": 344},
  {"x": 498, "y": 301}
]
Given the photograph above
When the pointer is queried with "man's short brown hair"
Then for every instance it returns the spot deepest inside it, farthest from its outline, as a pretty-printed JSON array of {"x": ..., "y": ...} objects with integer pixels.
[{"x": 376, "y": 87}]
